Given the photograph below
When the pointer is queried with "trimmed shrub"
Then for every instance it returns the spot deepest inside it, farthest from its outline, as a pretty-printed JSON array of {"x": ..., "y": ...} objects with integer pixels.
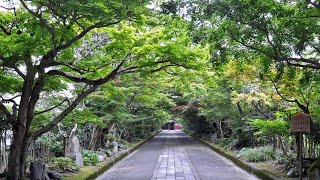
[
  {"x": 90, "y": 158},
  {"x": 63, "y": 164},
  {"x": 258, "y": 154}
]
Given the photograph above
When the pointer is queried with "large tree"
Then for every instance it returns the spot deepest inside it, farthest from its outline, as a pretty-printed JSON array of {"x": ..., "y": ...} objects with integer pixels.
[
  {"x": 269, "y": 33},
  {"x": 75, "y": 43},
  {"x": 283, "y": 32}
]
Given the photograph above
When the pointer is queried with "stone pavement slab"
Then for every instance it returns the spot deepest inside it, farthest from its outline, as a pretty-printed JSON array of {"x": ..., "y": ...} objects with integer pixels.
[{"x": 174, "y": 162}]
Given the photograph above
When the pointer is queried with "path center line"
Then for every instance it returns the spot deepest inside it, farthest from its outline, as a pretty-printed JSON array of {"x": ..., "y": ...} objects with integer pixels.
[{"x": 174, "y": 162}]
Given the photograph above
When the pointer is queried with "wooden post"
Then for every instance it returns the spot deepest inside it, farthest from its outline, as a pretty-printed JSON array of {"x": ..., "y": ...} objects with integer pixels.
[
  {"x": 300, "y": 123},
  {"x": 300, "y": 156}
]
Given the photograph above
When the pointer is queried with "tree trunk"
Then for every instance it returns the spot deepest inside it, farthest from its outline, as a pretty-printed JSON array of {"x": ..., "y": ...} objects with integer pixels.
[
  {"x": 274, "y": 143},
  {"x": 120, "y": 135},
  {"x": 283, "y": 147},
  {"x": 38, "y": 171},
  {"x": 94, "y": 137},
  {"x": 64, "y": 135},
  {"x": 220, "y": 128},
  {"x": 24, "y": 155},
  {"x": 18, "y": 153},
  {"x": 212, "y": 127},
  {"x": 239, "y": 108}
]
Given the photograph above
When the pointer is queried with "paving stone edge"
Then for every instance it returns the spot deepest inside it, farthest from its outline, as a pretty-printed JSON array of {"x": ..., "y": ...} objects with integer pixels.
[
  {"x": 262, "y": 174},
  {"x": 100, "y": 170}
]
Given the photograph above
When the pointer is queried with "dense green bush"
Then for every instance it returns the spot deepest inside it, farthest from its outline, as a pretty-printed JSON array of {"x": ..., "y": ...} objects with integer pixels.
[
  {"x": 90, "y": 158},
  {"x": 63, "y": 164},
  {"x": 54, "y": 142},
  {"x": 111, "y": 137},
  {"x": 124, "y": 142},
  {"x": 258, "y": 154}
]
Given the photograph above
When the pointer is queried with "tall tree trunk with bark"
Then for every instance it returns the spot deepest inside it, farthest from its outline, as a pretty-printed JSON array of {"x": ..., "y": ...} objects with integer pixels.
[
  {"x": 96, "y": 133},
  {"x": 220, "y": 129},
  {"x": 24, "y": 154},
  {"x": 274, "y": 143},
  {"x": 21, "y": 120},
  {"x": 18, "y": 154},
  {"x": 21, "y": 128},
  {"x": 14, "y": 160}
]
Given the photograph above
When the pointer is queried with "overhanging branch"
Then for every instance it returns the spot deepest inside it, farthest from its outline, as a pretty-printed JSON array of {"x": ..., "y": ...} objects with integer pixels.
[
  {"x": 47, "y": 59},
  {"x": 278, "y": 92},
  {"x": 64, "y": 113},
  {"x": 314, "y": 64},
  {"x": 20, "y": 73},
  {"x": 301, "y": 106},
  {"x": 5, "y": 111},
  {"x": 250, "y": 46},
  {"x": 43, "y": 22},
  {"x": 135, "y": 67},
  {"x": 10, "y": 99},
  {"x": 297, "y": 62},
  {"x": 47, "y": 110},
  {"x": 5, "y": 30},
  {"x": 7, "y": 8},
  {"x": 89, "y": 81}
]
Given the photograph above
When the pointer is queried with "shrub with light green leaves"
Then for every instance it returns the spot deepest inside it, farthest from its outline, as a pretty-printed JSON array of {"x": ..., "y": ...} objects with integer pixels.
[
  {"x": 258, "y": 154},
  {"x": 90, "y": 158},
  {"x": 63, "y": 164}
]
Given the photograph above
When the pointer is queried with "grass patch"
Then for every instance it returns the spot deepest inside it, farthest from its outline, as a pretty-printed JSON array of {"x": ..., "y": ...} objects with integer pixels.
[{"x": 82, "y": 174}]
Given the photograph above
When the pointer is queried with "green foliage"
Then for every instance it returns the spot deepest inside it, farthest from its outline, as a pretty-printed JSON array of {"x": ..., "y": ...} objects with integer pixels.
[
  {"x": 9, "y": 82},
  {"x": 90, "y": 158},
  {"x": 269, "y": 29},
  {"x": 63, "y": 164},
  {"x": 74, "y": 48},
  {"x": 270, "y": 127},
  {"x": 111, "y": 137},
  {"x": 54, "y": 84},
  {"x": 53, "y": 141},
  {"x": 83, "y": 116},
  {"x": 258, "y": 154},
  {"x": 41, "y": 120},
  {"x": 252, "y": 44},
  {"x": 124, "y": 142}
]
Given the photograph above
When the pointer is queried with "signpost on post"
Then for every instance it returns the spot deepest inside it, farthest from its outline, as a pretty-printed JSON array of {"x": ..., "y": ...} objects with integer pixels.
[{"x": 300, "y": 123}]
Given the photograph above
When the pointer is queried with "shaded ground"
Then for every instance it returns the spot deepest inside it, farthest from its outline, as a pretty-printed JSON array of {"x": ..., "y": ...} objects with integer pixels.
[{"x": 173, "y": 155}]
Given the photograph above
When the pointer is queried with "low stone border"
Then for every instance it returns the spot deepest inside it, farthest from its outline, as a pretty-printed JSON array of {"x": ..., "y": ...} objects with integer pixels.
[
  {"x": 104, "y": 166},
  {"x": 263, "y": 174}
]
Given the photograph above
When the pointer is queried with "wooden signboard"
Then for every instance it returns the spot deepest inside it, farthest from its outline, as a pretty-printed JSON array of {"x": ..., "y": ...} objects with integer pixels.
[{"x": 300, "y": 122}]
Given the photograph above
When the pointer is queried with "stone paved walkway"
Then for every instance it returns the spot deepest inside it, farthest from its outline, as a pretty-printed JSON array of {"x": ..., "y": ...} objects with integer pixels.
[
  {"x": 174, "y": 163},
  {"x": 172, "y": 155}
]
